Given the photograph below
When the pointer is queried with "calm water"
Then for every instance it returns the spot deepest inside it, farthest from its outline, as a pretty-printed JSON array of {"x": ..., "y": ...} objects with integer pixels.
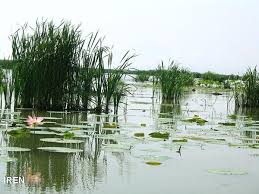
[{"x": 99, "y": 170}]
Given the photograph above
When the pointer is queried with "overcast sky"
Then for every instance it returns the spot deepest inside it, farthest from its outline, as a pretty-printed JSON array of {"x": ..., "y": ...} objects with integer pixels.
[{"x": 215, "y": 35}]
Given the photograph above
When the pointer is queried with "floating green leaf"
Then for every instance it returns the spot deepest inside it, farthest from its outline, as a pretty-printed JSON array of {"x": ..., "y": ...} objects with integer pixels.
[
  {"x": 61, "y": 140},
  {"x": 139, "y": 134},
  {"x": 196, "y": 119},
  {"x": 227, "y": 171},
  {"x": 6, "y": 159},
  {"x": 227, "y": 123},
  {"x": 14, "y": 149},
  {"x": 180, "y": 140},
  {"x": 162, "y": 135},
  {"x": 60, "y": 149},
  {"x": 153, "y": 163}
]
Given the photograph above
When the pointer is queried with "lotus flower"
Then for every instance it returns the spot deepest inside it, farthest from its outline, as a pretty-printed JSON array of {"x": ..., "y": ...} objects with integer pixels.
[{"x": 34, "y": 121}]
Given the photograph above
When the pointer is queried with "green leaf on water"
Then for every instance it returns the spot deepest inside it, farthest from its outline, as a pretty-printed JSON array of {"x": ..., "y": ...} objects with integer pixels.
[
  {"x": 153, "y": 163},
  {"x": 227, "y": 171},
  {"x": 14, "y": 149},
  {"x": 59, "y": 149},
  {"x": 6, "y": 159},
  {"x": 139, "y": 134},
  {"x": 161, "y": 135},
  {"x": 61, "y": 140},
  {"x": 68, "y": 135},
  {"x": 196, "y": 119},
  {"x": 227, "y": 123},
  {"x": 180, "y": 140}
]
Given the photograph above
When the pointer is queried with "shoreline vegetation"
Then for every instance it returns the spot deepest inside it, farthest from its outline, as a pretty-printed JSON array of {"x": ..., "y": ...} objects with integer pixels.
[{"x": 53, "y": 67}]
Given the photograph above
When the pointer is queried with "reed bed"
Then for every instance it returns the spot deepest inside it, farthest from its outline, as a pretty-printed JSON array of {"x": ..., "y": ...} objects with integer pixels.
[
  {"x": 248, "y": 95},
  {"x": 57, "y": 69},
  {"x": 172, "y": 81}
]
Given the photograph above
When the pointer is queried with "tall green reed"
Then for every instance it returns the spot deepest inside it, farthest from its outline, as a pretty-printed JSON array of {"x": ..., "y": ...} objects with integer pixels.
[
  {"x": 172, "y": 81},
  {"x": 248, "y": 95}
]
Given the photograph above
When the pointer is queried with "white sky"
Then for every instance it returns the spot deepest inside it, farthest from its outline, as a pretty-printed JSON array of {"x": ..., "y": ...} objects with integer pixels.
[{"x": 215, "y": 35}]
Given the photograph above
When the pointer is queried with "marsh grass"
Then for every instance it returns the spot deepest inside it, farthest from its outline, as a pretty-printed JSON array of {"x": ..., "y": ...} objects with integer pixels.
[
  {"x": 173, "y": 80},
  {"x": 142, "y": 76},
  {"x": 56, "y": 69},
  {"x": 247, "y": 96},
  {"x": 47, "y": 59}
]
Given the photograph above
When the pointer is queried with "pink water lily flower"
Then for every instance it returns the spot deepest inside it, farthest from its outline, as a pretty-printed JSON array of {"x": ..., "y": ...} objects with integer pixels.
[{"x": 33, "y": 120}]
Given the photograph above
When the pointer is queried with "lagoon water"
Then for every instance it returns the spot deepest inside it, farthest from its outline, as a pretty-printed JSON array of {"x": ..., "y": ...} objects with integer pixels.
[{"x": 216, "y": 158}]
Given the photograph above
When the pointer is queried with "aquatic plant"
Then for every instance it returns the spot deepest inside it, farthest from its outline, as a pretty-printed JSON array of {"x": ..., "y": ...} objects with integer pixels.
[
  {"x": 108, "y": 125},
  {"x": 196, "y": 119},
  {"x": 179, "y": 140},
  {"x": 33, "y": 121},
  {"x": 164, "y": 135},
  {"x": 142, "y": 76},
  {"x": 113, "y": 84},
  {"x": 68, "y": 135},
  {"x": 47, "y": 60},
  {"x": 19, "y": 133},
  {"x": 56, "y": 69},
  {"x": 173, "y": 80},
  {"x": 122, "y": 89},
  {"x": 139, "y": 134},
  {"x": 233, "y": 116},
  {"x": 153, "y": 163},
  {"x": 247, "y": 96}
]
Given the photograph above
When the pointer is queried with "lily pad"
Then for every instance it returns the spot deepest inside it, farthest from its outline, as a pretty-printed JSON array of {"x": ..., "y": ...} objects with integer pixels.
[
  {"x": 227, "y": 171},
  {"x": 108, "y": 125},
  {"x": 139, "y": 134},
  {"x": 52, "y": 118},
  {"x": 113, "y": 147},
  {"x": 15, "y": 149},
  {"x": 180, "y": 140},
  {"x": 153, "y": 163},
  {"x": 60, "y": 149},
  {"x": 161, "y": 135},
  {"x": 61, "y": 140},
  {"x": 68, "y": 135},
  {"x": 77, "y": 126},
  {"x": 216, "y": 94},
  {"x": 59, "y": 129},
  {"x": 6, "y": 159},
  {"x": 43, "y": 132},
  {"x": 147, "y": 158},
  {"x": 228, "y": 124},
  {"x": 196, "y": 119}
]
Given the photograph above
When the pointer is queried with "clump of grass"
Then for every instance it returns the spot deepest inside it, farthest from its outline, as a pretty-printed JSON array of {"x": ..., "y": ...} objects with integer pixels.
[
  {"x": 172, "y": 81},
  {"x": 47, "y": 59},
  {"x": 55, "y": 71},
  {"x": 247, "y": 96},
  {"x": 161, "y": 135},
  {"x": 142, "y": 77}
]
